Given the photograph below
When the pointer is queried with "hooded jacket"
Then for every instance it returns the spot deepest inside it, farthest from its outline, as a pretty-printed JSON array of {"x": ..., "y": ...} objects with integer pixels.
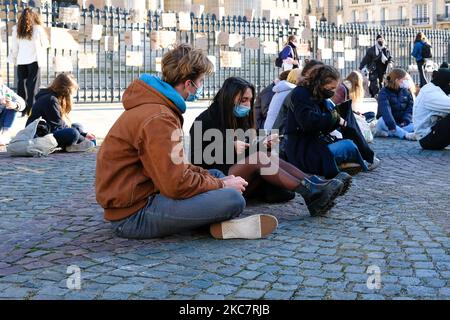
[
  {"x": 143, "y": 152},
  {"x": 281, "y": 91},
  {"x": 47, "y": 106}
]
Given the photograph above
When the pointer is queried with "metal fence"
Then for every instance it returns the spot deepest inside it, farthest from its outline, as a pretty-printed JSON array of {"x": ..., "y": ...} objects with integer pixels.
[{"x": 107, "y": 82}]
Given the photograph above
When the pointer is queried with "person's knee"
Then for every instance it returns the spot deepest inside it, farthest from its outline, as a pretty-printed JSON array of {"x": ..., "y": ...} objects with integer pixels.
[{"x": 233, "y": 202}]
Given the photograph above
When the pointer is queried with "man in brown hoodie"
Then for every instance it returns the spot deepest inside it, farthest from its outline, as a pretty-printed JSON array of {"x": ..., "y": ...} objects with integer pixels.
[{"x": 144, "y": 184}]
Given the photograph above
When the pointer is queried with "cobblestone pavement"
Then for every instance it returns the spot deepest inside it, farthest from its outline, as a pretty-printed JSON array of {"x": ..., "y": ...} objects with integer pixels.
[{"x": 396, "y": 218}]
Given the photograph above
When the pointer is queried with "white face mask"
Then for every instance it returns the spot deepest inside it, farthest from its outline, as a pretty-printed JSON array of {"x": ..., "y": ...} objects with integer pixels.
[{"x": 405, "y": 84}]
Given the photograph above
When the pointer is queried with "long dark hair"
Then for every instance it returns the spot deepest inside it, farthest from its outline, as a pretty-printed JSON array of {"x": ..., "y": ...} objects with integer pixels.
[
  {"x": 318, "y": 77},
  {"x": 25, "y": 24},
  {"x": 223, "y": 104},
  {"x": 62, "y": 88}
]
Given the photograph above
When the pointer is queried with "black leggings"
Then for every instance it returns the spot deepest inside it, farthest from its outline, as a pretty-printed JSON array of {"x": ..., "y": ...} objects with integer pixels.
[
  {"x": 439, "y": 137},
  {"x": 28, "y": 82}
]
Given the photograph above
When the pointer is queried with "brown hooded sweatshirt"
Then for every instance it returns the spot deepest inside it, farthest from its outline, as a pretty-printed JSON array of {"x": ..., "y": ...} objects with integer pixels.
[{"x": 135, "y": 162}]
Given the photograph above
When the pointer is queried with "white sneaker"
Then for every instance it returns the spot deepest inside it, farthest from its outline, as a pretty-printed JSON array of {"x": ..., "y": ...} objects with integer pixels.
[
  {"x": 253, "y": 227},
  {"x": 375, "y": 164},
  {"x": 84, "y": 145},
  {"x": 411, "y": 136}
]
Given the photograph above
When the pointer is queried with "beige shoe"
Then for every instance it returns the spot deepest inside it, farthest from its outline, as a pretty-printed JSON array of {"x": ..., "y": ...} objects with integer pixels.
[
  {"x": 253, "y": 227},
  {"x": 351, "y": 168}
]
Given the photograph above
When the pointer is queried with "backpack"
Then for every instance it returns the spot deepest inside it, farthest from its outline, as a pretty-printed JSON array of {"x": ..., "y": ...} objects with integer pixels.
[
  {"x": 25, "y": 144},
  {"x": 279, "y": 61},
  {"x": 426, "y": 51}
]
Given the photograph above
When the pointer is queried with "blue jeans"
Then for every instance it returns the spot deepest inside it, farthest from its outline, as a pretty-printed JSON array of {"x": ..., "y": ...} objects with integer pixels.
[
  {"x": 345, "y": 151},
  {"x": 164, "y": 216},
  {"x": 69, "y": 136},
  {"x": 399, "y": 131},
  {"x": 7, "y": 117}
]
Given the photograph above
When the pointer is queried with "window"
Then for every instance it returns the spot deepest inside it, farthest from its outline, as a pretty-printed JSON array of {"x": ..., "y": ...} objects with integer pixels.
[
  {"x": 383, "y": 14},
  {"x": 354, "y": 15},
  {"x": 367, "y": 1},
  {"x": 447, "y": 10},
  {"x": 402, "y": 13},
  {"x": 421, "y": 11},
  {"x": 354, "y": 1}
]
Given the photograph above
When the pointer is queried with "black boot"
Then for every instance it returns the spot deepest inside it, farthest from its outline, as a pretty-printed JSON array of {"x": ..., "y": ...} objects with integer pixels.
[
  {"x": 319, "y": 198},
  {"x": 343, "y": 177}
]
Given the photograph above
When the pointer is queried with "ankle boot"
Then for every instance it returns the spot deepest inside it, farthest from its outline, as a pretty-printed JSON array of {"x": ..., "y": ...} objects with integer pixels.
[
  {"x": 319, "y": 198},
  {"x": 344, "y": 177}
]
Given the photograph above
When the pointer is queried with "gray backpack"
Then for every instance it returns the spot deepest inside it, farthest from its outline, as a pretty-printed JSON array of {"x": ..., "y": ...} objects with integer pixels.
[{"x": 25, "y": 144}]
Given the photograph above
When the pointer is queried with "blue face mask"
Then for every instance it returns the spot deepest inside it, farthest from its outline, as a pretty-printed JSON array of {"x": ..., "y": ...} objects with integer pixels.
[
  {"x": 241, "y": 111},
  {"x": 198, "y": 93}
]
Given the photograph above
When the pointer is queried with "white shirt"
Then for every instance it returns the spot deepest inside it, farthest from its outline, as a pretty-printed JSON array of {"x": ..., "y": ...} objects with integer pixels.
[
  {"x": 27, "y": 51},
  {"x": 431, "y": 104}
]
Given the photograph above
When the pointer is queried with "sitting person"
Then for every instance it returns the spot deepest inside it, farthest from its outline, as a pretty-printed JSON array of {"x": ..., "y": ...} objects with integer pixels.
[
  {"x": 309, "y": 122},
  {"x": 143, "y": 182},
  {"x": 281, "y": 90},
  {"x": 395, "y": 106},
  {"x": 232, "y": 111},
  {"x": 280, "y": 121},
  {"x": 10, "y": 104},
  {"x": 432, "y": 112},
  {"x": 352, "y": 87},
  {"x": 54, "y": 105},
  {"x": 264, "y": 98}
]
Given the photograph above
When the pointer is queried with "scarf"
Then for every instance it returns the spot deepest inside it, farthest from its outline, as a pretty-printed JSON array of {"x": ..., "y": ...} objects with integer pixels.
[{"x": 379, "y": 49}]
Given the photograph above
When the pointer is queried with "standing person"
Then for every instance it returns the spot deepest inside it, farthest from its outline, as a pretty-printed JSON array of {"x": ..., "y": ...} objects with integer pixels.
[
  {"x": 376, "y": 62},
  {"x": 29, "y": 44},
  {"x": 310, "y": 120},
  {"x": 421, "y": 52},
  {"x": 264, "y": 98},
  {"x": 395, "y": 107},
  {"x": 54, "y": 105},
  {"x": 432, "y": 112},
  {"x": 143, "y": 182},
  {"x": 232, "y": 110},
  {"x": 289, "y": 54},
  {"x": 10, "y": 104}
]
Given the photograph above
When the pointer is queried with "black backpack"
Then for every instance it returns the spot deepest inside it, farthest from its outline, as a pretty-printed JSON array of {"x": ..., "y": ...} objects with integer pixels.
[
  {"x": 426, "y": 51},
  {"x": 279, "y": 61}
]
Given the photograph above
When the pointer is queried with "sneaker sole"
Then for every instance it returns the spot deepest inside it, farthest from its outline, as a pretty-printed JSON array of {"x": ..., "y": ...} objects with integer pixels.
[
  {"x": 252, "y": 227},
  {"x": 329, "y": 195}
]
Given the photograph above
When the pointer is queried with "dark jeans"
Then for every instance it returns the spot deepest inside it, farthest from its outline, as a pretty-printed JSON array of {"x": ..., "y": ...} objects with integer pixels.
[
  {"x": 69, "y": 136},
  {"x": 164, "y": 216},
  {"x": 28, "y": 83},
  {"x": 439, "y": 137},
  {"x": 420, "y": 68}
]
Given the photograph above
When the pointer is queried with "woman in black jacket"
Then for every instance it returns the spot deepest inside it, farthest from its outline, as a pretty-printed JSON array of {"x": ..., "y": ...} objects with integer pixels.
[
  {"x": 54, "y": 105},
  {"x": 310, "y": 120},
  {"x": 218, "y": 141}
]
